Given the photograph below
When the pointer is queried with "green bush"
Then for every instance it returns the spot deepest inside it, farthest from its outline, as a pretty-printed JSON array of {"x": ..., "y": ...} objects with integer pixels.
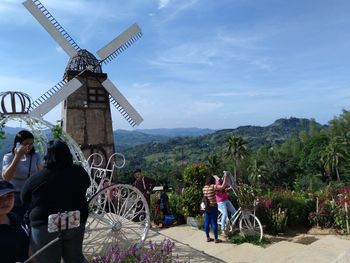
[
  {"x": 191, "y": 198},
  {"x": 194, "y": 177},
  {"x": 176, "y": 206},
  {"x": 273, "y": 217},
  {"x": 297, "y": 205},
  {"x": 324, "y": 216},
  {"x": 341, "y": 209},
  {"x": 195, "y": 174}
]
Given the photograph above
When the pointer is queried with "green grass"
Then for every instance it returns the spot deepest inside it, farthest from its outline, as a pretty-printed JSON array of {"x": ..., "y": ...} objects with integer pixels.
[{"x": 239, "y": 239}]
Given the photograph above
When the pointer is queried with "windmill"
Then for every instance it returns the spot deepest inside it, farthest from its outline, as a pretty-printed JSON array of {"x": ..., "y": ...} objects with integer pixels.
[{"x": 85, "y": 90}]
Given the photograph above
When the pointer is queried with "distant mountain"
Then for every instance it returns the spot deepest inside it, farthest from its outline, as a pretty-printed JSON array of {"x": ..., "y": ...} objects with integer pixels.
[
  {"x": 172, "y": 145},
  {"x": 177, "y": 132},
  {"x": 125, "y": 139},
  {"x": 193, "y": 149}
]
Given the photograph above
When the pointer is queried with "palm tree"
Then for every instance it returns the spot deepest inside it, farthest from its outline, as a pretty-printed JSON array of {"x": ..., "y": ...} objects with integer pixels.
[
  {"x": 214, "y": 163},
  {"x": 237, "y": 150},
  {"x": 332, "y": 155}
]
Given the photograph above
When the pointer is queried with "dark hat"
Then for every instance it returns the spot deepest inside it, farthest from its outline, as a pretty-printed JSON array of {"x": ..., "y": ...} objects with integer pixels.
[
  {"x": 5, "y": 188},
  {"x": 138, "y": 170}
]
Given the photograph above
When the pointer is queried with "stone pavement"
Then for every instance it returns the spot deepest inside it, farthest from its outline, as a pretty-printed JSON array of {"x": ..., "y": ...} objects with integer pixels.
[{"x": 191, "y": 245}]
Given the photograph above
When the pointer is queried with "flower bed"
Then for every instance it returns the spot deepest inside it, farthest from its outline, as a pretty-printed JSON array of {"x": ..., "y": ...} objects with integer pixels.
[{"x": 161, "y": 252}]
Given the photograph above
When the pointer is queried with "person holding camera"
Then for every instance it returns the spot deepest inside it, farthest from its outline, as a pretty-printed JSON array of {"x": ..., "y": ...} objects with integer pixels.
[{"x": 18, "y": 165}]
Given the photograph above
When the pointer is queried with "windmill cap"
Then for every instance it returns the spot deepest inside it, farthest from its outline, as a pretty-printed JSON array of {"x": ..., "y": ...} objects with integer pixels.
[{"x": 6, "y": 187}]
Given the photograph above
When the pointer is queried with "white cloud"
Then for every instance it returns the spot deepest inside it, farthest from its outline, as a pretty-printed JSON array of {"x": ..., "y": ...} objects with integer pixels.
[
  {"x": 247, "y": 93},
  {"x": 198, "y": 108},
  {"x": 173, "y": 8},
  {"x": 163, "y": 3}
]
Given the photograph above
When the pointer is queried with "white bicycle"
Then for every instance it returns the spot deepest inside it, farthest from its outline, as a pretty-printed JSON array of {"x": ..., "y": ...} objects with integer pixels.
[{"x": 249, "y": 225}]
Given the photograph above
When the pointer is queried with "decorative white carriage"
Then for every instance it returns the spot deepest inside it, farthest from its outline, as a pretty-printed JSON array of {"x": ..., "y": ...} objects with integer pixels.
[{"x": 118, "y": 213}]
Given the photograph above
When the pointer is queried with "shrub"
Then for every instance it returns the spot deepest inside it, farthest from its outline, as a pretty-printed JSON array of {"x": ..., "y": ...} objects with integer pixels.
[
  {"x": 176, "y": 206},
  {"x": 284, "y": 208},
  {"x": 191, "y": 198},
  {"x": 195, "y": 174},
  {"x": 341, "y": 208},
  {"x": 298, "y": 204},
  {"x": 194, "y": 177},
  {"x": 153, "y": 252},
  {"x": 245, "y": 195},
  {"x": 324, "y": 216}
]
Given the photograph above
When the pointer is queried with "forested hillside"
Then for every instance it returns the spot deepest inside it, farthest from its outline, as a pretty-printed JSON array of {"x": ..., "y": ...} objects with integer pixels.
[
  {"x": 165, "y": 156},
  {"x": 168, "y": 159}
]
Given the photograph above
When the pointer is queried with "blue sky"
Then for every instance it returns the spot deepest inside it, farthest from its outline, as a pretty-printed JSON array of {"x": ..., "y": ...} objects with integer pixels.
[{"x": 200, "y": 63}]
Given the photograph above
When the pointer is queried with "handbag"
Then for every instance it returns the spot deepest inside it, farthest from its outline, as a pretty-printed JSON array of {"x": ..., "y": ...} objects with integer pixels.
[{"x": 204, "y": 206}]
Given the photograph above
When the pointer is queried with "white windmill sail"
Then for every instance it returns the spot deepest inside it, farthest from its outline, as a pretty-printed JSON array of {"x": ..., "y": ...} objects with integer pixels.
[
  {"x": 120, "y": 43},
  {"x": 122, "y": 104},
  {"x": 54, "y": 96},
  {"x": 37, "y": 9},
  {"x": 109, "y": 52}
]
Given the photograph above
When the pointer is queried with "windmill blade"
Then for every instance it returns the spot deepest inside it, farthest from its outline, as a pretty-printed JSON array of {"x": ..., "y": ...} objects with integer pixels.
[
  {"x": 36, "y": 8},
  {"x": 120, "y": 43},
  {"x": 53, "y": 97},
  {"x": 122, "y": 104}
]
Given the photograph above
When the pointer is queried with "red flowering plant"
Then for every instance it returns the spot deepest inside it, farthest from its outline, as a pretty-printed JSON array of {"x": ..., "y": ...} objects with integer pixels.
[
  {"x": 324, "y": 216},
  {"x": 341, "y": 208},
  {"x": 272, "y": 215}
]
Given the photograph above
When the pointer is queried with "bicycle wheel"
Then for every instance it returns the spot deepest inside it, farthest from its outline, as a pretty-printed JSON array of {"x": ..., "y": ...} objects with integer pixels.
[
  {"x": 249, "y": 225},
  {"x": 119, "y": 215}
]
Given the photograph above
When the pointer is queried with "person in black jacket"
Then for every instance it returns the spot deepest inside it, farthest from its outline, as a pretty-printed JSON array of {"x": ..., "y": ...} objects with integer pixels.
[
  {"x": 14, "y": 241},
  {"x": 60, "y": 186}
]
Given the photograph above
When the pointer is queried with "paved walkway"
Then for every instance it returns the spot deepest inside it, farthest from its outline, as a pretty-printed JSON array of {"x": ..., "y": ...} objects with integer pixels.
[{"x": 191, "y": 244}]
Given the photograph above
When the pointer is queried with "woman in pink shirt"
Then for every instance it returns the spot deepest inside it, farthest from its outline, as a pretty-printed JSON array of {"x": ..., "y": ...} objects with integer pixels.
[{"x": 224, "y": 204}]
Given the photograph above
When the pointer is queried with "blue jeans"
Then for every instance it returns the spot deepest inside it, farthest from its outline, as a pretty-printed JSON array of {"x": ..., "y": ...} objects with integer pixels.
[
  {"x": 69, "y": 246},
  {"x": 225, "y": 206},
  {"x": 211, "y": 218}
]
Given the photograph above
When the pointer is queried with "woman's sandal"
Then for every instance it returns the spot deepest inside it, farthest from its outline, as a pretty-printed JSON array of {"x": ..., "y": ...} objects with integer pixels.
[
  {"x": 217, "y": 241},
  {"x": 209, "y": 239}
]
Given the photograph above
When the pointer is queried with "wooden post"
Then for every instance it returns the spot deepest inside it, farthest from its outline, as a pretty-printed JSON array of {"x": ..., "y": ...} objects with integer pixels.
[
  {"x": 317, "y": 212},
  {"x": 347, "y": 217}
]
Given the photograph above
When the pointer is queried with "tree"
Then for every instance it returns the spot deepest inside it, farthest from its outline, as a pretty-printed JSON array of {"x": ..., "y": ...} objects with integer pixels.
[
  {"x": 255, "y": 172},
  {"x": 280, "y": 170},
  {"x": 309, "y": 161},
  {"x": 332, "y": 155},
  {"x": 237, "y": 150},
  {"x": 214, "y": 163}
]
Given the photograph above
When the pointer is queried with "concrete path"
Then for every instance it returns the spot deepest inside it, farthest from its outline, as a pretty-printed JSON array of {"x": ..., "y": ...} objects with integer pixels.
[{"x": 191, "y": 245}]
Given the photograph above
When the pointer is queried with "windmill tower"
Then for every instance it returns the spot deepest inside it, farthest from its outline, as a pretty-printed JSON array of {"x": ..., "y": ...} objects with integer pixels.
[{"x": 86, "y": 92}]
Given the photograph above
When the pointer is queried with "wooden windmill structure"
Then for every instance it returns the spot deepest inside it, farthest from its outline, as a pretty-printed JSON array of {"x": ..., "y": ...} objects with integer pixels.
[{"x": 86, "y": 92}]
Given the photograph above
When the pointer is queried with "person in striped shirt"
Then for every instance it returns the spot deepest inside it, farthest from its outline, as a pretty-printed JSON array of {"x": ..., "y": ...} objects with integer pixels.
[{"x": 211, "y": 217}]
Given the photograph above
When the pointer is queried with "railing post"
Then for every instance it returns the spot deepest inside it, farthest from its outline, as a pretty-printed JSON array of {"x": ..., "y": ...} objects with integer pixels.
[{"x": 347, "y": 217}]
